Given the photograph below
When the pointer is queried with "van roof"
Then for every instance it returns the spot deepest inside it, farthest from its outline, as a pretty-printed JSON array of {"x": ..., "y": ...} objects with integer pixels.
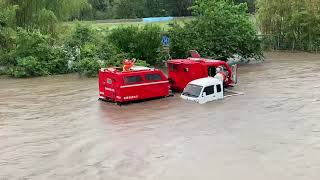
[
  {"x": 196, "y": 61},
  {"x": 208, "y": 81},
  {"x": 134, "y": 70}
]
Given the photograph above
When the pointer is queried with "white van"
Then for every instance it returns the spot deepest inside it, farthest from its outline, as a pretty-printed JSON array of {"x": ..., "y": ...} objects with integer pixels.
[{"x": 203, "y": 90}]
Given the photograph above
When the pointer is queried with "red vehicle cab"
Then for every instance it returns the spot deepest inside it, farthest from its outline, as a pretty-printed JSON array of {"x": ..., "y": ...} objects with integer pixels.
[
  {"x": 140, "y": 83},
  {"x": 183, "y": 71}
]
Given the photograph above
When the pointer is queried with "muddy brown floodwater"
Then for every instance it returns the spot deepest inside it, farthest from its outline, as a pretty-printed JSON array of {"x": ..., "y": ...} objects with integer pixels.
[{"x": 54, "y": 128}]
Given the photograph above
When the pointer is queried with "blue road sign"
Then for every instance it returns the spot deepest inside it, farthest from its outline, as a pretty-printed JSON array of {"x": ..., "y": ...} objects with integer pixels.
[{"x": 165, "y": 41}]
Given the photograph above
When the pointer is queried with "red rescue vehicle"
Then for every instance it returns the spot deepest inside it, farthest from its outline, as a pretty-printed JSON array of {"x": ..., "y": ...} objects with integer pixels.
[
  {"x": 183, "y": 71},
  {"x": 139, "y": 83}
]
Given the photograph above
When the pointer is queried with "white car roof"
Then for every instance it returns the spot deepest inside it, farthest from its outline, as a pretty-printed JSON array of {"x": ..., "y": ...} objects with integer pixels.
[{"x": 208, "y": 81}]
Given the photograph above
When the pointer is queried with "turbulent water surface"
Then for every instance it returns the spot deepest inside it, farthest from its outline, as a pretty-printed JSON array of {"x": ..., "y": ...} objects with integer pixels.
[{"x": 54, "y": 128}]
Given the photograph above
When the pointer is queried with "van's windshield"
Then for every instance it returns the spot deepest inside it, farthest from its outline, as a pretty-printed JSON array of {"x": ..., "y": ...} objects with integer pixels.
[{"x": 192, "y": 90}]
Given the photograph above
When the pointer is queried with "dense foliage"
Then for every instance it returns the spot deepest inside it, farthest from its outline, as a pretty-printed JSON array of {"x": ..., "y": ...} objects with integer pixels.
[
  {"x": 35, "y": 55},
  {"x": 220, "y": 30},
  {"x": 292, "y": 25},
  {"x": 141, "y": 43},
  {"x": 29, "y": 11},
  {"x": 104, "y": 9},
  {"x": 251, "y": 5},
  {"x": 85, "y": 50},
  {"x": 90, "y": 50},
  {"x": 31, "y": 43}
]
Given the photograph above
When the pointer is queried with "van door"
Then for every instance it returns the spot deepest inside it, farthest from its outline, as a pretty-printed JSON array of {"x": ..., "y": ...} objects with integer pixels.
[
  {"x": 209, "y": 93},
  {"x": 110, "y": 90},
  {"x": 219, "y": 91}
]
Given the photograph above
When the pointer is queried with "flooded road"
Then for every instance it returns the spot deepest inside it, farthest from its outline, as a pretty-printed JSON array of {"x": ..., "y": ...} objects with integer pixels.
[{"x": 54, "y": 128}]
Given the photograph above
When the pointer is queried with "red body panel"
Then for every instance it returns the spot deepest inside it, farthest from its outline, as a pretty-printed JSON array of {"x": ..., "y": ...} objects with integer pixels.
[
  {"x": 183, "y": 71},
  {"x": 113, "y": 86}
]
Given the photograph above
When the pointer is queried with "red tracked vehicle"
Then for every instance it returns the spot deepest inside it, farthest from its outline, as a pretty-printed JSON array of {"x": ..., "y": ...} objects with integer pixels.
[
  {"x": 140, "y": 83},
  {"x": 183, "y": 71}
]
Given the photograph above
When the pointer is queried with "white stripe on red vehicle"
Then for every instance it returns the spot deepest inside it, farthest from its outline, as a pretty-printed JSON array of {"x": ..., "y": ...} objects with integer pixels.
[
  {"x": 109, "y": 89},
  {"x": 144, "y": 84}
]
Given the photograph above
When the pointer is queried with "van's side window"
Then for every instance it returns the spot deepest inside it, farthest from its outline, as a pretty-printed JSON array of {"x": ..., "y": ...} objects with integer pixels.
[
  {"x": 209, "y": 90},
  {"x": 132, "y": 79},
  {"x": 173, "y": 67},
  {"x": 153, "y": 77},
  {"x": 218, "y": 88}
]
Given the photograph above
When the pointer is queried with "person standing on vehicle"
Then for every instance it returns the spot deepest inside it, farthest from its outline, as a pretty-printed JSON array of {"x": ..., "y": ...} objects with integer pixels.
[
  {"x": 128, "y": 64},
  {"x": 221, "y": 75}
]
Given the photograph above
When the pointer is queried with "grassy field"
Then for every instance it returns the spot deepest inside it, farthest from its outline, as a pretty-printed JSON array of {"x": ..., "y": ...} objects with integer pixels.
[
  {"x": 114, "y": 23},
  {"x": 66, "y": 27}
]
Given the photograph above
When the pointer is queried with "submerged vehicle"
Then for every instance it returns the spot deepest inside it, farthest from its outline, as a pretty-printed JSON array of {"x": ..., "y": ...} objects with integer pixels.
[
  {"x": 203, "y": 90},
  {"x": 139, "y": 83},
  {"x": 135, "y": 83}
]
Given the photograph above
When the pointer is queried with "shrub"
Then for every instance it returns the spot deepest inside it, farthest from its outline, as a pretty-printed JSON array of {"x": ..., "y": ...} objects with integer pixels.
[
  {"x": 82, "y": 34},
  {"x": 149, "y": 44},
  {"x": 111, "y": 54},
  {"x": 91, "y": 53},
  {"x": 7, "y": 40},
  {"x": 32, "y": 43},
  {"x": 140, "y": 43},
  {"x": 46, "y": 21},
  {"x": 59, "y": 63},
  {"x": 28, "y": 67},
  {"x": 125, "y": 38},
  {"x": 90, "y": 50},
  {"x": 220, "y": 30},
  {"x": 142, "y": 63},
  {"x": 38, "y": 50},
  {"x": 89, "y": 66}
]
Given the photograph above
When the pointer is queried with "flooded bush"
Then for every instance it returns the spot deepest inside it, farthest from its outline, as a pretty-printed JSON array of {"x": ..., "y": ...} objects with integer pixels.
[
  {"x": 88, "y": 46},
  {"x": 36, "y": 54},
  {"x": 89, "y": 66},
  {"x": 28, "y": 67},
  {"x": 59, "y": 63}
]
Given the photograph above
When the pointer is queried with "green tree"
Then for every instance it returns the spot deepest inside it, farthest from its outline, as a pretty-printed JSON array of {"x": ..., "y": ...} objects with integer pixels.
[
  {"x": 250, "y": 3},
  {"x": 142, "y": 43},
  {"x": 124, "y": 9},
  {"x": 292, "y": 25},
  {"x": 180, "y": 8},
  {"x": 7, "y": 33},
  {"x": 221, "y": 28},
  {"x": 62, "y": 9},
  {"x": 35, "y": 54},
  {"x": 100, "y": 8},
  {"x": 155, "y": 8},
  {"x": 137, "y": 8}
]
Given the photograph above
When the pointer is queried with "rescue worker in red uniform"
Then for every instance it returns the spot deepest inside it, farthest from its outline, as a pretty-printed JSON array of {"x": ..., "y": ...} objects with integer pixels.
[
  {"x": 128, "y": 64},
  {"x": 221, "y": 75}
]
